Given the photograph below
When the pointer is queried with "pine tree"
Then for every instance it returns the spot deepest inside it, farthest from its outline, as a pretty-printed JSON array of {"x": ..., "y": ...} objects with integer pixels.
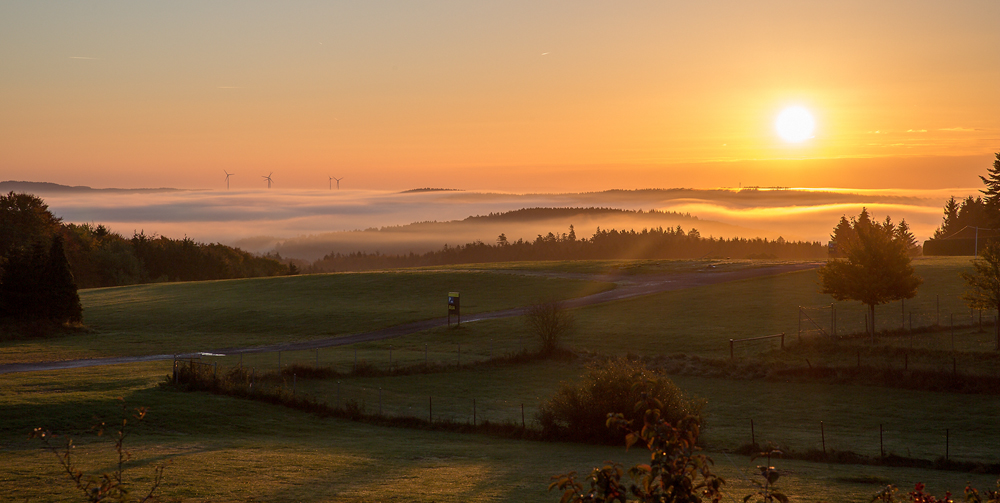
[
  {"x": 992, "y": 192},
  {"x": 903, "y": 234},
  {"x": 950, "y": 219},
  {"x": 61, "y": 303}
]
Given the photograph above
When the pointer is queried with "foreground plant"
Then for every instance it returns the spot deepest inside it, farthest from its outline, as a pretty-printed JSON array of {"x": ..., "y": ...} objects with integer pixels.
[
  {"x": 676, "y": 473},
  {"x": 766, "y": 493},
  {"x": 105, "y": 487}
]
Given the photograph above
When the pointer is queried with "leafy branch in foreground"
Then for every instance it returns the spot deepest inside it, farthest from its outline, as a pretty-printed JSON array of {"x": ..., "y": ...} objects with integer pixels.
[
  {"x": 109, "y": 487},
  {"x": 674, "y": 474}
]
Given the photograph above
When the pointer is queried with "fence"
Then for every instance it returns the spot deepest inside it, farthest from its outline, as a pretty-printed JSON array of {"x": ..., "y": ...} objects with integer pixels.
[
  {"x": 867, "y": 435},
  {"x": 828, "y": 321},
  {"x": 335, "y": 392},
  {"x": 732, "y": 342},
  {"x": 829, "y": 440}
]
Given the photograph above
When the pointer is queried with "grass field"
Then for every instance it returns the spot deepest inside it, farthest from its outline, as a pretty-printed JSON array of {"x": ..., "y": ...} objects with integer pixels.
[
  {"x": 181, "y": 317},
  {"x": 225, "y": 449}
]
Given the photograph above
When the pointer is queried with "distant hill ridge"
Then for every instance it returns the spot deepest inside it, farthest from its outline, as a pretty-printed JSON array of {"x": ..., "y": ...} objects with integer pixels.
[
  {"x": 49, "y": 187},
  {"x": 543, "y": 213}
]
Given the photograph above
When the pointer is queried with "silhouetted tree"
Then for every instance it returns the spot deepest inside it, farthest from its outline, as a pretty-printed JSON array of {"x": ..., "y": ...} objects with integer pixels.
[
  {"x": 992, "y": 192},
  {"x": 60, "y": 301},
  {"x": 903, "y": 234},
  {"x": 24, "y": 220},
  {"x": 950, "y": 219},
  {"x": 876, "y": 270},
  {"x": 21, "y": 284}
]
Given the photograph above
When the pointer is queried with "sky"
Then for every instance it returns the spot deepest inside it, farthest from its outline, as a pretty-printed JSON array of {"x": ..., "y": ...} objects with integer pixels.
[{"x": 498, "y": 95}]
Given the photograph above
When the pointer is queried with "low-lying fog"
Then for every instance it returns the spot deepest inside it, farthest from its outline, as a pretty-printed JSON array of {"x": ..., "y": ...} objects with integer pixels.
[{"x": 309, "y": 224}]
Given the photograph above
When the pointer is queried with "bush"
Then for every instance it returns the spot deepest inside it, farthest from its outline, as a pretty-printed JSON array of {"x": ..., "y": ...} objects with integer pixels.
[{"x": 579, "y": 411}]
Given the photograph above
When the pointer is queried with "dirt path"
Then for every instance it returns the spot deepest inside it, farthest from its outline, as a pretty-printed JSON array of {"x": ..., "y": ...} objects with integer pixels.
[{"x": 628, "y": 287}]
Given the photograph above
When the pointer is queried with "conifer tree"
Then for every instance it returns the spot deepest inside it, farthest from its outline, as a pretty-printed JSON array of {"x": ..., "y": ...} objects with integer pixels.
[
  {"x": 992, "y": 192},
  {"x": 61, "y": 303},
  {"x": 950, "y": 219}
]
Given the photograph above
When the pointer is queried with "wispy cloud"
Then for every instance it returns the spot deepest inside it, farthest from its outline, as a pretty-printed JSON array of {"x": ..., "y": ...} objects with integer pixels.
[
  {"x": 916, "y": 130},
  {"x": 958, "y": 129}
]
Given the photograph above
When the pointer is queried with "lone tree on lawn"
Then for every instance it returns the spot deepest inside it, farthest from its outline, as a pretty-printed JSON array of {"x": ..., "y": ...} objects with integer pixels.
[
  {"x": 876, "y": 268},
  {"x": 984, "y": 282}
]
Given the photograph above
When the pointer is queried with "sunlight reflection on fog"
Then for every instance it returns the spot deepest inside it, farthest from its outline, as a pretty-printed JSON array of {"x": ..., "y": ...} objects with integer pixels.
[{"x": 258, "y": 220}]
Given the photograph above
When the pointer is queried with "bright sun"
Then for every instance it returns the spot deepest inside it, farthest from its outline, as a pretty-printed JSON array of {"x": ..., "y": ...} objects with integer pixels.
[{"x": 795, "y": 124}]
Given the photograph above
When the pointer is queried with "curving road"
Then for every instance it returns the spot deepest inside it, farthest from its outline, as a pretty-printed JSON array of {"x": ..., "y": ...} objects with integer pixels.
[{"x": 628, "y": 287}]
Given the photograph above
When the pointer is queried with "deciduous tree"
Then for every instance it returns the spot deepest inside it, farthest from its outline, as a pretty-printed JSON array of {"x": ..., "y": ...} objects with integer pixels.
[{"x": 876, "y": 268}]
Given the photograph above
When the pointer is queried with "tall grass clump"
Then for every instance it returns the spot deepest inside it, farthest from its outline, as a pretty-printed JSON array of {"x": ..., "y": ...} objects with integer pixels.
[{"x": 579, "y": 411}]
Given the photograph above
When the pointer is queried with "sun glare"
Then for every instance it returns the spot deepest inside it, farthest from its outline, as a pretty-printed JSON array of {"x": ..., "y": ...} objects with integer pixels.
[{"x": 795, "y": 124}]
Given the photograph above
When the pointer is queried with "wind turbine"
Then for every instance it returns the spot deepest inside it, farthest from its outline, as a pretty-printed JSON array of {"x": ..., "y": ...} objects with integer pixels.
[
  {"x": 331, "y": 183},
  {"x": 338, "y": 181},
  {"x": 268, "y": 178},
  {"x": 228, "y": 174}
]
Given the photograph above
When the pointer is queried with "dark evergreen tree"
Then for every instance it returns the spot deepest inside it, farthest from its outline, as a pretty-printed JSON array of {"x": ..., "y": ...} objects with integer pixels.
[
  {"x": 992, "y": 192},
  {"x": 59, "y": 298},
  {"x": 904, "y": 234},
  {"x": 950, "y": 219},
  {"x": 21, "y": 286}
]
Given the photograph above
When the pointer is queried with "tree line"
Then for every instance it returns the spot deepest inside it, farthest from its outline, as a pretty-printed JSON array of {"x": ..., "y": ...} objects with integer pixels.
[
  {"x": 980, "y": 211},
  {"x": 655, "y": 243},
  {"x": 43, "y": 261}
]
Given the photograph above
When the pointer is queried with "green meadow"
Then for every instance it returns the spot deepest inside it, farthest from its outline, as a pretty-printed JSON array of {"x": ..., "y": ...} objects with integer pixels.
[{"x": 227, "y": 449}]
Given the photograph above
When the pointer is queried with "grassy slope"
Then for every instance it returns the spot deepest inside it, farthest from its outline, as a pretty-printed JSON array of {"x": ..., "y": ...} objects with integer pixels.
[{"x": 180, "y": 317}]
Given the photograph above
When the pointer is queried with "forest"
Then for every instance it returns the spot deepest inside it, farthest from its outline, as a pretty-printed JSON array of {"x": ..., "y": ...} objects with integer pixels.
[
  {"x": 656, "y": 243},
  {"x": 98, "y": 257}
]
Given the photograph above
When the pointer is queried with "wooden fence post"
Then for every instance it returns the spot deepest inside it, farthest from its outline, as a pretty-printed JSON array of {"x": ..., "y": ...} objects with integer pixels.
[
  {"x": 881, "y": 444},
  {"x": 731, "y": 356},
  {"x": 800, "y": 323},
  {"x": 822, "y": 433}
]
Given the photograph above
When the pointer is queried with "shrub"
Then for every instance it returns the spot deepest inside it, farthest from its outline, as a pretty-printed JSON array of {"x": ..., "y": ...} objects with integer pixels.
[{"x": 579, "y": 411}]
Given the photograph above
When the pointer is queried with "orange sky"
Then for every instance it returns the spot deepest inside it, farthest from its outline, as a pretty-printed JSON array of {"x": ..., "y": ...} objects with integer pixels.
[{"x": 512, "y": 96}]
